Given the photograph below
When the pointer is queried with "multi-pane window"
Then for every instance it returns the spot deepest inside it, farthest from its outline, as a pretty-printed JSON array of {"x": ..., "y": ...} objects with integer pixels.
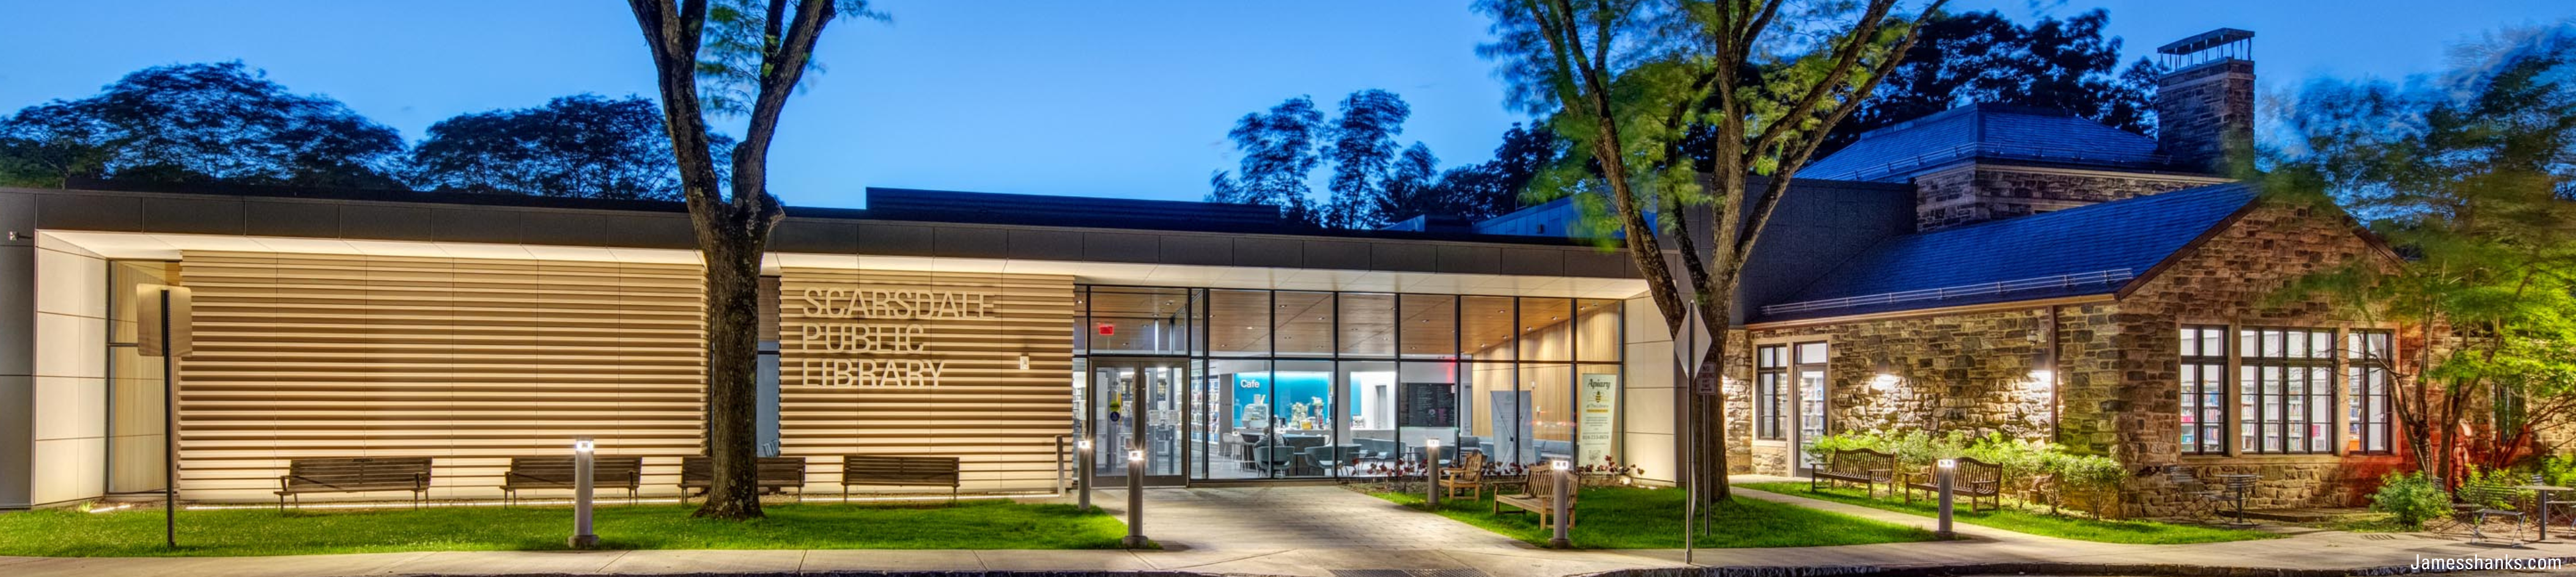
[
  {"x": 1770, "y": 401},
  {"x": 2204, "y": 389},
  {"x": 2366, "y": 387},
  {"x": 2285, "y": 390}
]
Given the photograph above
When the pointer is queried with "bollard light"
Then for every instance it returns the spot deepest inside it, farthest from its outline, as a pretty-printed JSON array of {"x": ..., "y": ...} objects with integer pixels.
[
  {"x": 1943, "y": 472},
  {"x": 1135, "y": 500},
  {"x": 1564, "y": 477},
  {"x": 582, "y": 480},
  {"x": 1082, "y": 472},
  {"x": 1431, "y": 471}
]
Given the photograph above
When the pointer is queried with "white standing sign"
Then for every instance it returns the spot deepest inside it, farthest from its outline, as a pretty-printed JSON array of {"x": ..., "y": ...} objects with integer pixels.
[{"x": 1600, "y": 415}]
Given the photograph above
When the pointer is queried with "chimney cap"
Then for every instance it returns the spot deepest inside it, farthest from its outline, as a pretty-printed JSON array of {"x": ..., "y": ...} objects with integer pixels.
[{"x": 2205, "y": 41}]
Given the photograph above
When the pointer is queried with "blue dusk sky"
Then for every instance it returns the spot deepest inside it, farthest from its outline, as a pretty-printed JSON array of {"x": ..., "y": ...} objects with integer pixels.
[{"x": 1124, "y": 99}]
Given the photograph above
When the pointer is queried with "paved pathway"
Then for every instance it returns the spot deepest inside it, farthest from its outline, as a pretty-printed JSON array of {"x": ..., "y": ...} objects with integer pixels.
[{"x": 1322, "y": 532}]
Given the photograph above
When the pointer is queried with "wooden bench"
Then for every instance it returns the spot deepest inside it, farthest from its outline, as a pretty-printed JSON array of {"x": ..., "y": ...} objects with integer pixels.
[
  {"x": 353, "y": 475},
  {"x": 899, "y": 471},
  {"x": 558, "y": 473},
  {"x": 776, "y": 474},
  {"x": 1469, "y": 476},
  {"x": 1970, "y": 477},
  {"x": 1540, "y": 498},
  {"x": 1864, "y": 466}
]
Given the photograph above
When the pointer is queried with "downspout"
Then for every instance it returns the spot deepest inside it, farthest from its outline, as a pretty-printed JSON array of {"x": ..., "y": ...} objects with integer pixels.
[{"x": 2054, "y": 394}]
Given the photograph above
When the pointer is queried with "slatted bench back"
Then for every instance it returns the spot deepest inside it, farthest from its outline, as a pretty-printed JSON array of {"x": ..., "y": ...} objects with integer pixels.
[
  {"x": 898, "y": 470},
  {"x": 357, "y": 474},
  {"x": 774, "y": 472},
  {"x": 558, "y": 472}
]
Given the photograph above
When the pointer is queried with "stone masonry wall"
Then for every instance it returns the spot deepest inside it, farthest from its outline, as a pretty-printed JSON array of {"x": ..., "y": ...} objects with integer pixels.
[
  {"x": 1974, "y": 373},
  {"x": 2232, "y": 278},
  {"x": 1980, "y": 193}
]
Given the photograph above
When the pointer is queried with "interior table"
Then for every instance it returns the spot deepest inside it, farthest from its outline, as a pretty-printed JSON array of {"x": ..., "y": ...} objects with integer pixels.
[{"x": 2541, "y": 505}]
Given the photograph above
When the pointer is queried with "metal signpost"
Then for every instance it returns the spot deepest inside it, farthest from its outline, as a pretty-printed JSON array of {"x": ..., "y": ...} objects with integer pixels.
[
  {"x": 168, "y": 339},
  {"x": 1690, "y": 344}
]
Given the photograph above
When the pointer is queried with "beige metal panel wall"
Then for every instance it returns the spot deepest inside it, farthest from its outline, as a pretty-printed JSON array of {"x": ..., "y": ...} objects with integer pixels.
[
  {"x": 927, "y": 363},
  {"x": 470, "y": 361}
]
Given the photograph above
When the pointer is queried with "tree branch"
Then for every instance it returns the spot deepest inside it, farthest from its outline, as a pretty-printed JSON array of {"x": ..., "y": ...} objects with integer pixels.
[{"x": 1845, "y": 58}]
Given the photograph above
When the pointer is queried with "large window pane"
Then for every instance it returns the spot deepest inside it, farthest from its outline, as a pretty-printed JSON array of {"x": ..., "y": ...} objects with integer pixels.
[
  {"x": 1131, "y": 320},
  {"x": 1239, "y": 392},
  {"x": 1488, "y": 393},
  {"x": 1238, "y": 323},
  {"x": 2366, "y": 388},
  {"x": 1367, "y": 427},
  {"x": 1430, "y": 326},
  {"x": 1488, "y": 326},
  {"x": 1304, "y": 408},
  {"x": 2204, "y": 410},
  {"x": 1547, "y": 329},
  {"x": 1598, "y": 335},
  {"x": 1429, "y": 401},
  {"x": 1368, "y": 325},
  {"x": 1550, "y": 389},
  {"x": 2285, "y": 392},
  {"x": 1305, "y": 321}
]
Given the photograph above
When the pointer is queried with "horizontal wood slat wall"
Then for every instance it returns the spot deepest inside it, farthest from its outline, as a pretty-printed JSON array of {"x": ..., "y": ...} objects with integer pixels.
[
  {"x": 469, "y": 361},
  {"x": 998, "y": 419}
]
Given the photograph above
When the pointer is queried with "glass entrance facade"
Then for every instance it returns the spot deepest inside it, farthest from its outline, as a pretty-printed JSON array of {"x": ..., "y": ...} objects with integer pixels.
[{"x": 1283, "y": 384}]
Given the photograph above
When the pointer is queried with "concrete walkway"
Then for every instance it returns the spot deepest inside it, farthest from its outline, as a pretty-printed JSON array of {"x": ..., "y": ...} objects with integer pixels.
[{"x": 1332, "y": 532}]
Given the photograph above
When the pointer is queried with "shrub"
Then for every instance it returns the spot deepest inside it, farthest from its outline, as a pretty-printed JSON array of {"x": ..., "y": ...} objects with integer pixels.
[
  {"x": 2559, "y": 469},
  {"x": 2410, "y": 499}
]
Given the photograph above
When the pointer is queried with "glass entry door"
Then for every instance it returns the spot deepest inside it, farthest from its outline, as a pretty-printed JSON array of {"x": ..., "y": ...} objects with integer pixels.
[{"x": 1138, "y": 405}]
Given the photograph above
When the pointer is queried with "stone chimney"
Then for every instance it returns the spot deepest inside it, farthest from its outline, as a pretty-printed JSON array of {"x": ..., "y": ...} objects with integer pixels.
[{"x": 2205, "y": 103}]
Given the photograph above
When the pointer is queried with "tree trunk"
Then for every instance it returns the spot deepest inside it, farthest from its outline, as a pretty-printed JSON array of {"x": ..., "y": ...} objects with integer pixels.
[{"x": 732, "y": 254}]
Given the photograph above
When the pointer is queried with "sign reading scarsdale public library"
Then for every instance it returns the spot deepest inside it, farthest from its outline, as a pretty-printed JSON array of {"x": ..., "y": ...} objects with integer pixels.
[
  {"x": 971, "y": 365},
  {"x": 876, "y": 337}
]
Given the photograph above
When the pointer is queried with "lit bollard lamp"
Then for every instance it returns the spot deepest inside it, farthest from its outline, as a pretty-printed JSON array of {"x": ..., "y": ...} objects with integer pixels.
[
  {"x": 1430, "y": 472},
  {"x": 1943, "y": 472},
  {"x": 582, "y": 538},
  {"x": 1135, "y": 500},
  {"x": 1082, "y": 472},
  {"x": 1559, "y": 501}
]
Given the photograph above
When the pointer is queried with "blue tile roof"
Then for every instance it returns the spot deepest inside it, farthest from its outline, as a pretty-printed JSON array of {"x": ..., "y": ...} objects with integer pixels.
[
  {"x": 1961, "y": 266},
  {"x": 1985, "y": 132}
]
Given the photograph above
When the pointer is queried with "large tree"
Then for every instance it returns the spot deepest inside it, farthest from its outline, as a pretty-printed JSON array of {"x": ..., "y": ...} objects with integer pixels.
[
  {"x": 1364, "y": 153},
  {"x": 580, "y": 146},
  {"x": 1983, "y": 57},
  {"x": 219, "y": 122},
  {"x": 2472, "y": 176},
  {"x": 738, "y": 57},
  {"x": 1280, "y": 148},
  {"x": 1680, "y": 103}
]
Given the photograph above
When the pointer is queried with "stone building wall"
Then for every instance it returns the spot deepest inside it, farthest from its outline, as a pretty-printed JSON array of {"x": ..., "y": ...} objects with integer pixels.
[
  {"x": 1982, "y": 192},
  {"x": 2232, "y": 278},
  {"x": 1975, "y": 373}
]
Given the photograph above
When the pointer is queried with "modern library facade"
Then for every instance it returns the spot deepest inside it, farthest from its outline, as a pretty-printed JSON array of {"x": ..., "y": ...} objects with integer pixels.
[{"x": 997, "y": 329}]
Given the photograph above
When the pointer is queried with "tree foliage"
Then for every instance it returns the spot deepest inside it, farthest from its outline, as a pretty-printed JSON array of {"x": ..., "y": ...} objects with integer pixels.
[
  {"x": 220, "y": 122},
  {"x": 580, "y": 146},
  {"x": 1364, "y": 155},
  {"x": 1675, "y": 104},
  {"x": 1983, "y": 57},
  {"x": 2472, "y": 177},
  {"x": 1281, "y": 149}
]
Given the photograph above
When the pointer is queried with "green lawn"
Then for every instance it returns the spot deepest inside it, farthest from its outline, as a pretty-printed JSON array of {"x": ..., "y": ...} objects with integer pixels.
[
  {"x": 2032, "y": 522},
  {"x": 1636, "y": 518},
  {"x": 967, "y": 525}
]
